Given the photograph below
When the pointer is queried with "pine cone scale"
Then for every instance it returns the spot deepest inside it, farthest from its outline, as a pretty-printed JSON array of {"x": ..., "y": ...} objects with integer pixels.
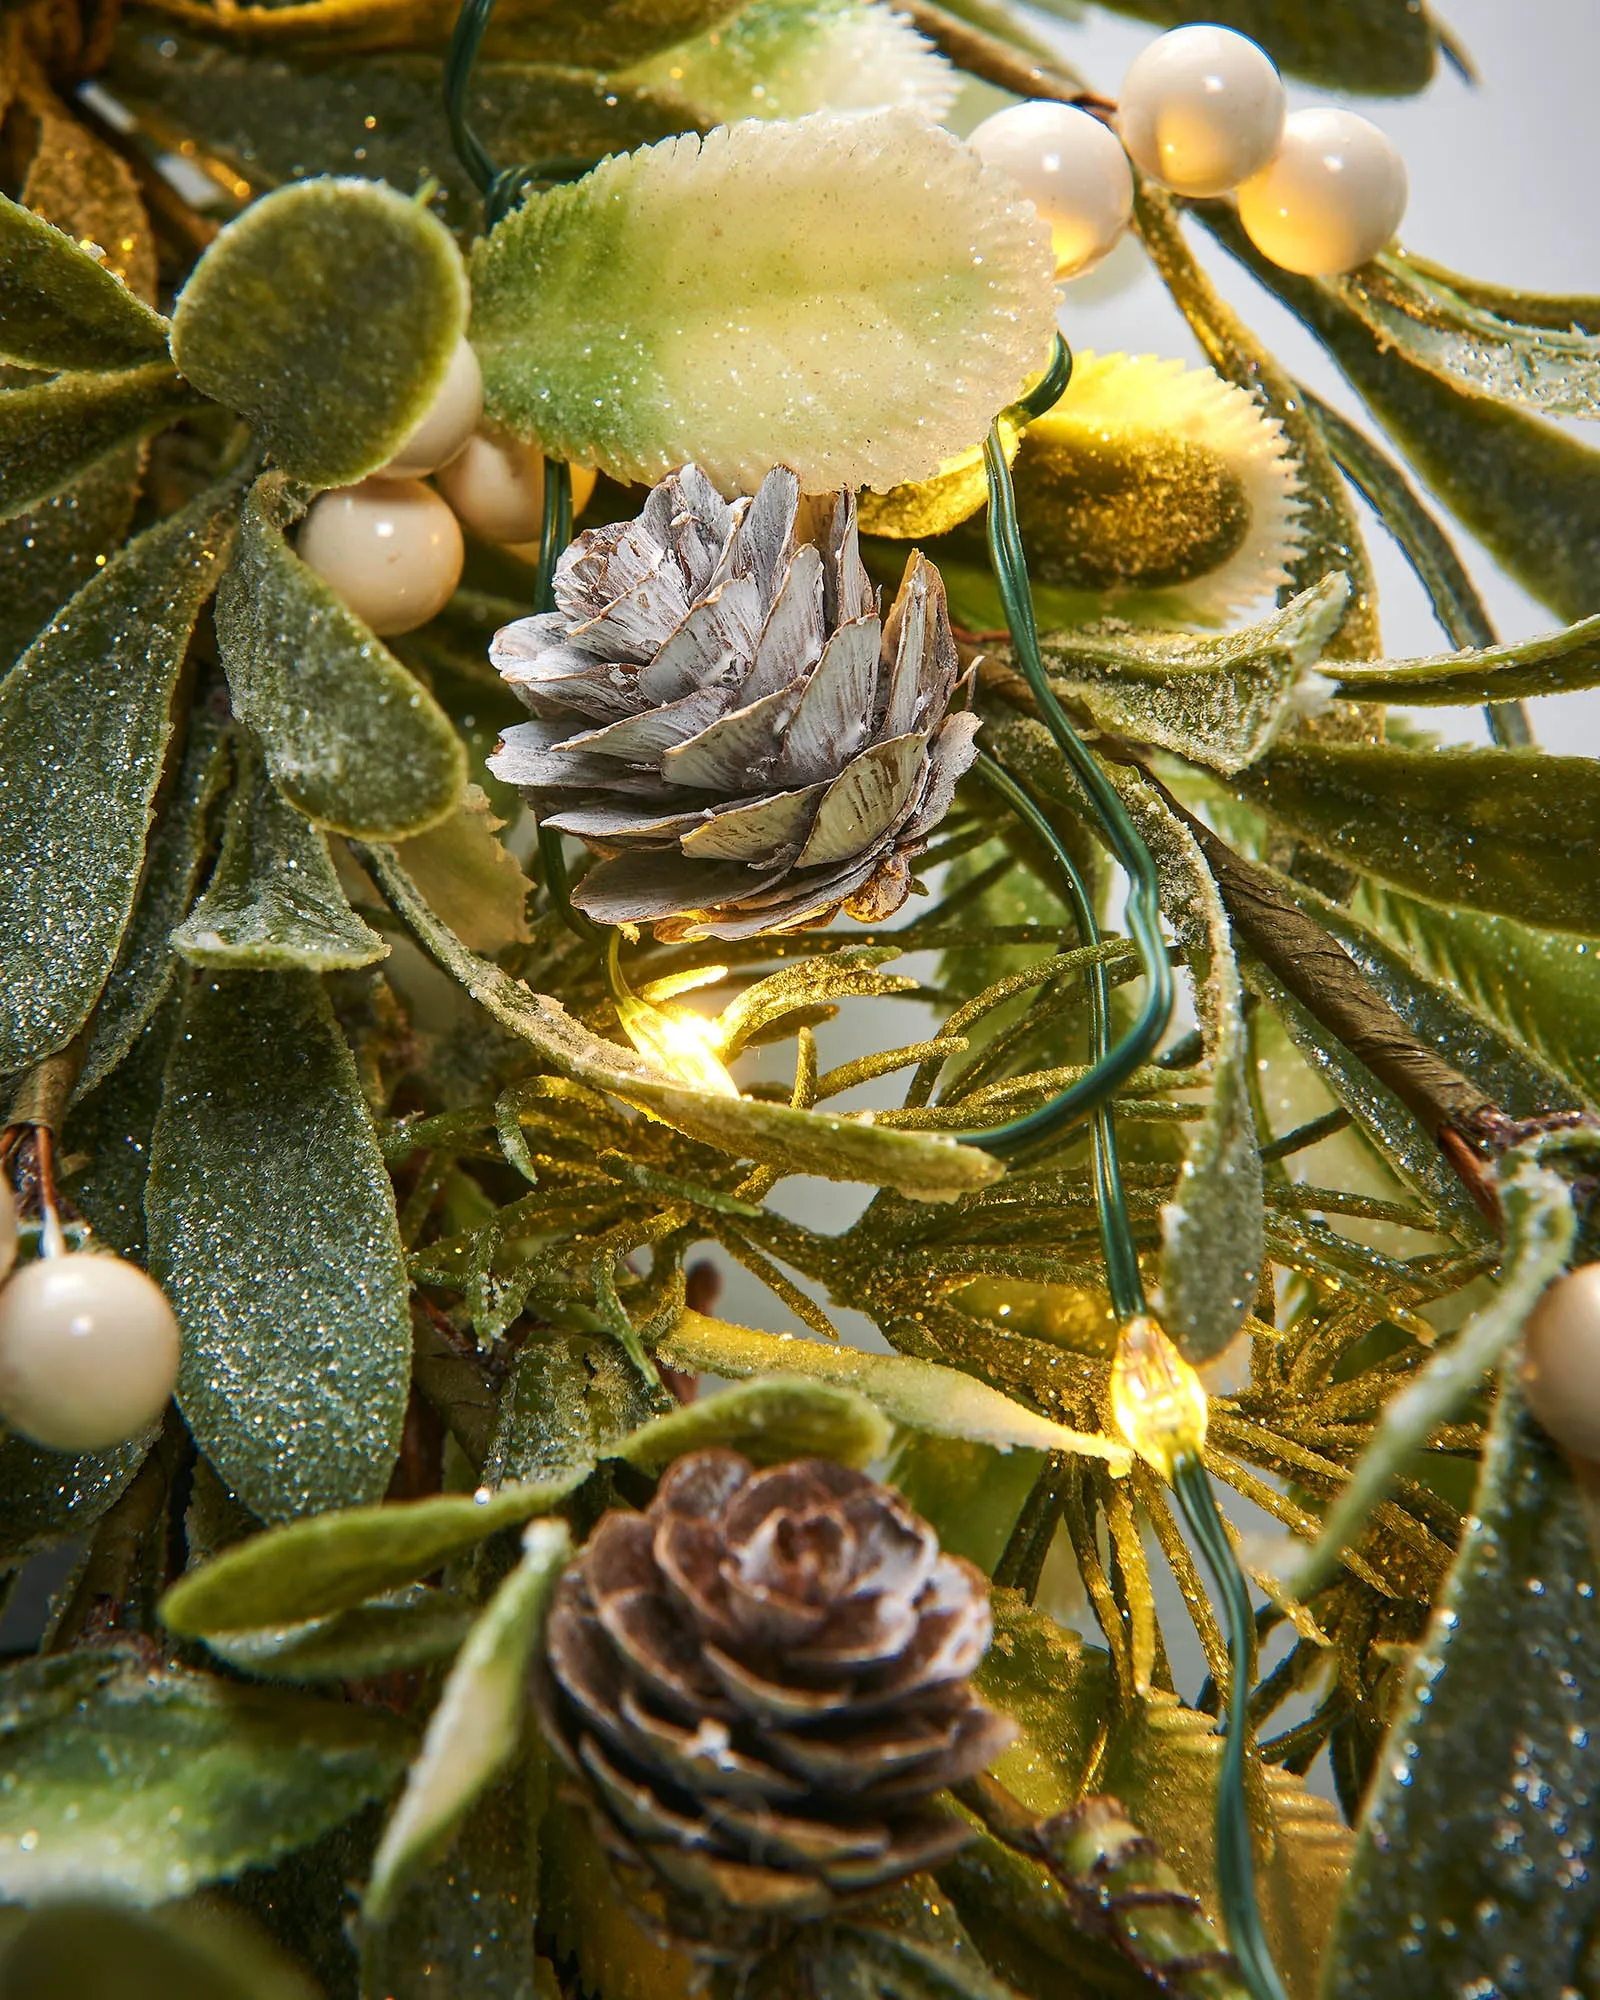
[
  {"x": 707, "y": 660},
  {"x": 764, "y": 1676}
]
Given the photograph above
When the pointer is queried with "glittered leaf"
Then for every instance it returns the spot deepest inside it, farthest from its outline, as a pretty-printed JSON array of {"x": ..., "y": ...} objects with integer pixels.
[
  {"x": 271, "y": 117},
  {"x": 340, "y": 1559},
  {"x": 1529, "y": 492},
  {"x": 268, "y": 323},
  {"x": 1220, "y": 701},
  {"x": 51, "y": 433},
  {"x": 1543, "y": 988},
  {"x": 1056, "y": 1690},
  {"x": 142, "y": 976},
  {"x": 350, "y": 737},
  {"x": 475, "y": 1730},
  {"x": 109, "y": 1130},
  {"x": 1496, "y": 830},
  {"x": 1493, "y": 1760},
  {"x": 85, "y": 187},
  {"x": 1375, "y": 48},
  {"x": 1212, "y": 1248},
  {"x": 71, "y": 1950},
  {"x": 60, "y": 307},
  {"x": 1162, "y": 1762},
  {"x": 274, "y": 903},
  {"x": 769, "y": 1420},
  {"x": 84, "y": 721},
  {"x": 1554, "y": 663},
  {"x": 211, "y": 1777},
  {"x": 463, "y": 870},
  {"x": 50, "y": 552},
  {"x": 568, "y": 1404},
  {"x": 273, "y": 1233},
  {"x": 1539, "y": 1230},
  {"x": 679, "y": 302},
  {"x": 785, "y": 58},
  {"x": 1416, "y": 310},
  {"x": 407, "y": 1628},
  {"x": 47, "y": 1495},
  {"x": 919, "y": 1394}
]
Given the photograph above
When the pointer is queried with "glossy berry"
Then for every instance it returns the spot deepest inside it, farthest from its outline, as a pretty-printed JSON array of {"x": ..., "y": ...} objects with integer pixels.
[
  {"x": 497, "y": 489},
  {"x": 1561, "y": 1361},
  {"x": 1071, "y": 168},
  {"x": 1201, "y": 110},
  {"x": 390, "y": 548},
  {"x": 1331, "y": 199},
  {"x": 449, "y": 423},
  {"x": 88, "y": 1352}
]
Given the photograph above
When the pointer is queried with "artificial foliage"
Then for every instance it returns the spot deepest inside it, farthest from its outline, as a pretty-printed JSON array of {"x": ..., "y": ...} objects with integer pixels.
[{"x": 432, "y": 1643}]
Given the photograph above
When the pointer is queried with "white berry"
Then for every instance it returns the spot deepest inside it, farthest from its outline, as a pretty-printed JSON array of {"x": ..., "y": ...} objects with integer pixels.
[
  {"x": 1331, "y": 199},
  {"x": 1071, "y": 168},
  {"x": 1561, "y": 1361},
  {"x": 451, "y": 420},
  {"x": 1201, "y": 110},
  {"x": 390, "y": 548},
  {"x": 8, "y": 1230},
  {"x": 88, "y": 1352},
  {"x": 497, "y": 489}
]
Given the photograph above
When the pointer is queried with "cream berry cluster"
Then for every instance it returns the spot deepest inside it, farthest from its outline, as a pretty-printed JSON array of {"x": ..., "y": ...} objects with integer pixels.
[
  {"x": 1203, "y": 112},
  {"x": 391, "y": 547}
]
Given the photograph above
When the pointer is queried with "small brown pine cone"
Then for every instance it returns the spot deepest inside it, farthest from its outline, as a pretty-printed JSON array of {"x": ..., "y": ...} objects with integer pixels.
[
  {"x": 721, "y": 714},
  {"x": 759, "y": 1683}
]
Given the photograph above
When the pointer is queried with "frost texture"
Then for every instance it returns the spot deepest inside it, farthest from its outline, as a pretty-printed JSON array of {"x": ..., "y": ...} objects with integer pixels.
[{"x": 852, "y": 297}]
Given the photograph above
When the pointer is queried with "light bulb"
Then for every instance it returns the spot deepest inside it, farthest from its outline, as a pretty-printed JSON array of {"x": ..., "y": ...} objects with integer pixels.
[{"x": 1157, "y": 1398}]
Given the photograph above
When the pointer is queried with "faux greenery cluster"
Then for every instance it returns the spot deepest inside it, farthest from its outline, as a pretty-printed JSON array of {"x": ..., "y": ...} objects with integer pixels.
[{"x": 326, "y": 1054}]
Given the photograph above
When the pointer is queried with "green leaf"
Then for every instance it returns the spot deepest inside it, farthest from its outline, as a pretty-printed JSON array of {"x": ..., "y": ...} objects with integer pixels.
[
  {"x": 273, "y": 117},
  {"x": 1543, "y": 988},
  {"x": 1374, "y": 48},
  {"x": 1478, "y": 1817},
  {"x": 273, "y": 1233},
  {"x": 970, "y": 1492},
  {"x": 568, "y": 1403},
  {"x": 179, "y": 842},
  {"x": 274, "y": 903},
  {"x": 475, "y": 1730},
  {"x": 899, "y": 1965},
  {"x": 50, "y": 552},
  {"x": 95, "y": 1951},
  {"x": 1212, "y": 1244},
  {"x": 406, "y": 1628},
  {"x": 1554, "y": 663},
  {"x": 1539, "y": 1228},
  {"x": 84, "y": 719},
  {"x": 461, "y": 867},
  {"x": 60, "y": 308},
  {"x": 52, "y": 433},
  {"x": 326, "y": 316},
  {"x": 1162, "y": 1763},
  {"x": 749, "y": 1128},
  {"x": 210, "y": 1777},
  {"x": 351, "y": 739},
  {"x": 1505, "y": 831},
  {"x": 1528, "y": 492},
  {"x": 47, "y": 1495},
  {"x": 1221, "y": 701},
  {"x": 919, "y": 1394},
  {"x": 111, "y": 1130},
  {"x": 1415, "y": 310},
  {"x": 1058, "y": 1692},
  {"x": 679, "y": 301},
  {"x": 777, "y": 1417},
  {"x": 339, "y": 1559}
]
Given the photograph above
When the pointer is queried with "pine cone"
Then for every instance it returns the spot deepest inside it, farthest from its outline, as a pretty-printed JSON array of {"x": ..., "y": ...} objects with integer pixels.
[
  {"x": 759, "y": 1683},
  {"x": 721, "y": 713}
]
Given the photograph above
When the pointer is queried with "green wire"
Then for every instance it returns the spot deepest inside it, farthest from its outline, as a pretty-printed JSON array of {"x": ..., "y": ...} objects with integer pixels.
[{"x": 1236, "y": 1865}]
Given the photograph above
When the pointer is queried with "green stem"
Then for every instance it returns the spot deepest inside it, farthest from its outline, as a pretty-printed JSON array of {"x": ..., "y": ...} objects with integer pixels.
[{"x": 1236, "y": 1867}]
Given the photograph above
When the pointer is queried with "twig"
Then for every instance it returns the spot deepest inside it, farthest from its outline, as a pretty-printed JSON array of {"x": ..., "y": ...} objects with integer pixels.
[{"x": 995, "y": 61}]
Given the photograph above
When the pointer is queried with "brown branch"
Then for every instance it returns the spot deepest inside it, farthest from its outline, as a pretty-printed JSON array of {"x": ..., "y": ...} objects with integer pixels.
[{"x": 995, "y": 61}]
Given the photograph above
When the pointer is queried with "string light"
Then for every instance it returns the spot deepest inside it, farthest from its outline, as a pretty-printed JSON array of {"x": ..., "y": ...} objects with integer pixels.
[{"x": 1157, "y": 1398}]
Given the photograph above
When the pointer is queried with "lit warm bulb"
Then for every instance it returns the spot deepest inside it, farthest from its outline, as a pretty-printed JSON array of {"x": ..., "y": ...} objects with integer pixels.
[
  {"x": 88, "y": 1352},
  {"x": 1201, "y": 110},
  {"x": 390, "y": 548},
  {"x": 1071, "y": 168},
  {"x": 1561, "y": 1361},
  {"x": 452, "y": 418},
  {"x": 1331, "y": 199},
  {"x": 1158, "y": 1400}
]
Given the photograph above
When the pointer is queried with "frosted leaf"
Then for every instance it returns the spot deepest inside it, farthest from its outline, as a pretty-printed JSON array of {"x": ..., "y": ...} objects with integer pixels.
[
  {"x": 852, "y": 297},
  {"x": 785, "y": 58}
]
